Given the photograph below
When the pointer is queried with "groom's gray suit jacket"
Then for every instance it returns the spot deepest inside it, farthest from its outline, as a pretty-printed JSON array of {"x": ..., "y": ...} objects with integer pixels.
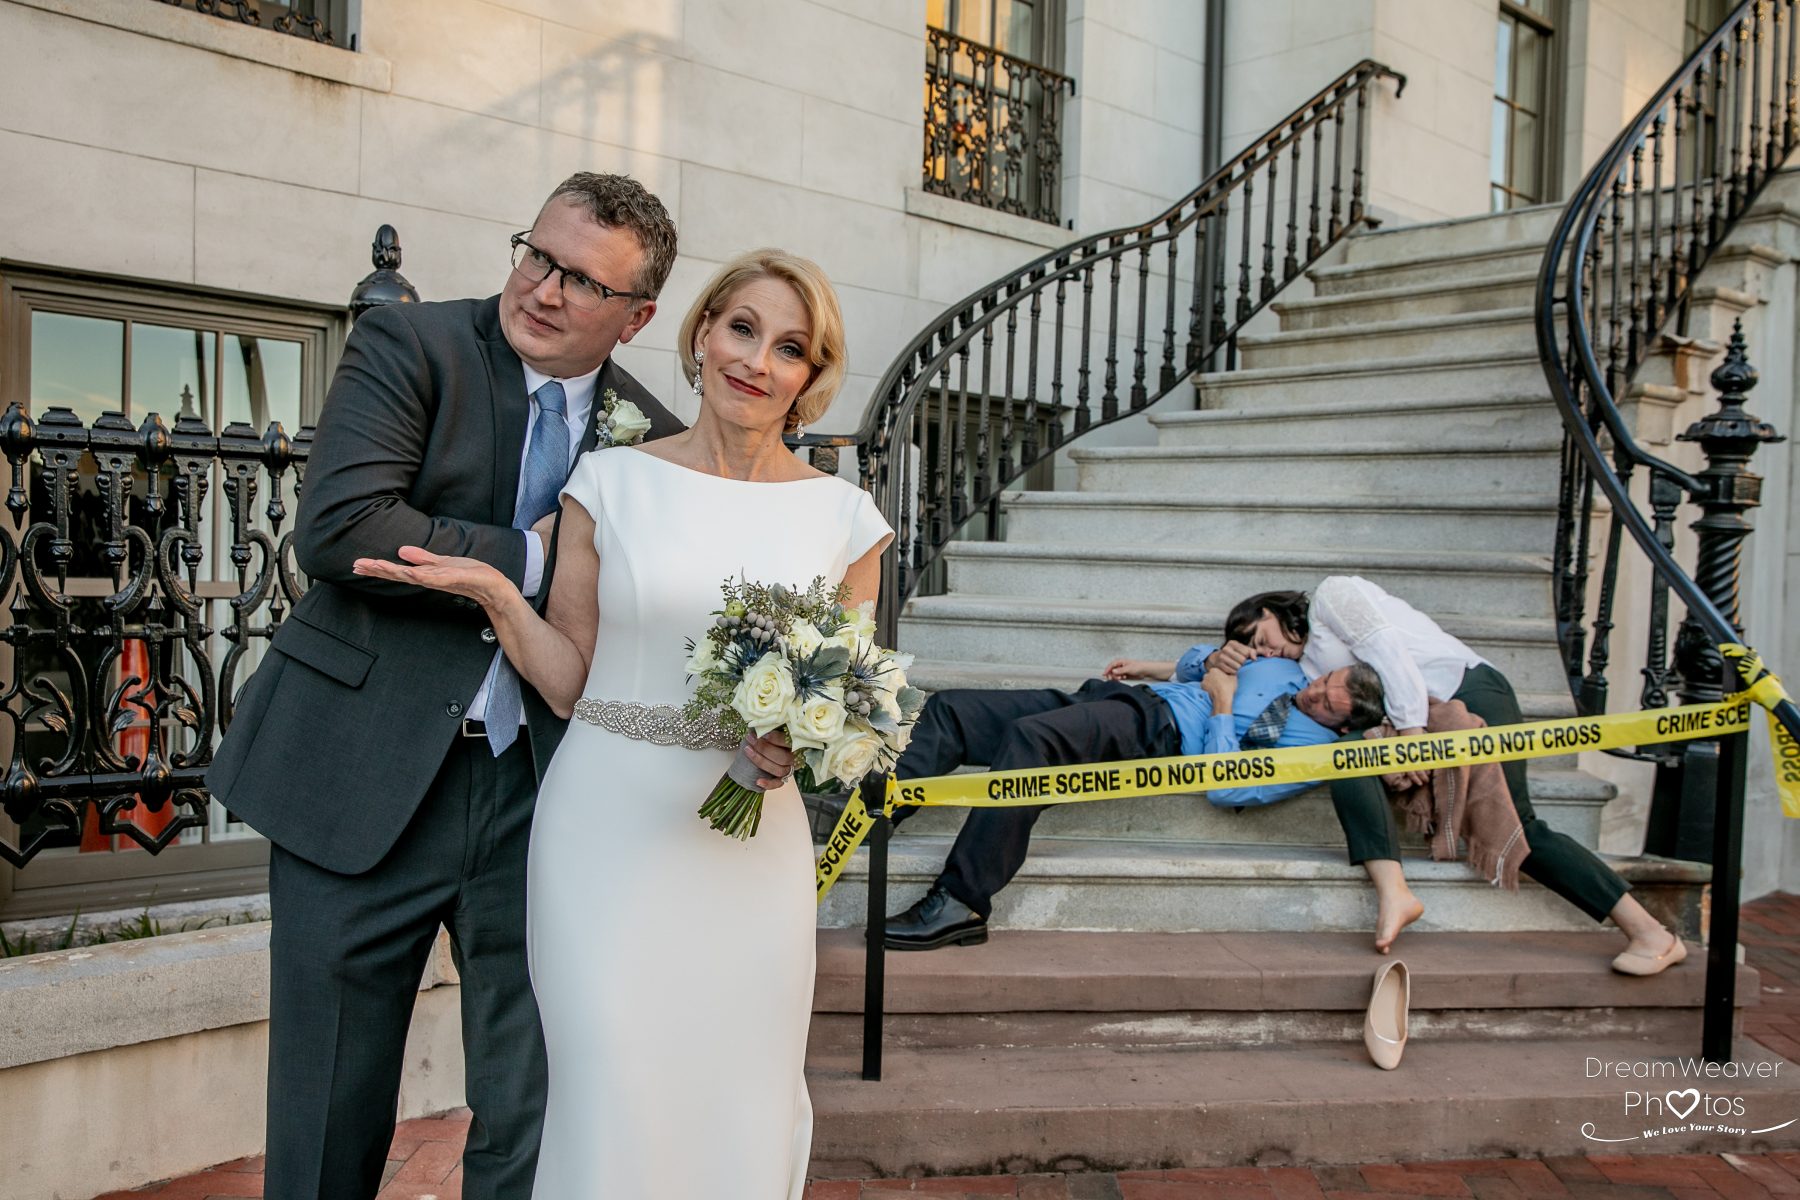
[{"x": 337, "y": 735}]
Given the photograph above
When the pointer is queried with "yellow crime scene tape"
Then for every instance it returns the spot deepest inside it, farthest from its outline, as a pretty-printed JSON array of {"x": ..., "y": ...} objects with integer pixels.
[{"x": 1337, "y": 760}]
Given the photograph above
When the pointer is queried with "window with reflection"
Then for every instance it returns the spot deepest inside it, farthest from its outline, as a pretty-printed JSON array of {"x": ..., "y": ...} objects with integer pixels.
[
  {"x": 1523, "y": 139},
  {"x": 76, "y": 352}
]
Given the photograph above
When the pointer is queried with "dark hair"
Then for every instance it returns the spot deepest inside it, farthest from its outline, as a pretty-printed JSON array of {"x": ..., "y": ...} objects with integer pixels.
[
  {"x": 621, "y": 202},
  {"x": 1288, "y": 609},
  {"x": 1368, "y": 704}
]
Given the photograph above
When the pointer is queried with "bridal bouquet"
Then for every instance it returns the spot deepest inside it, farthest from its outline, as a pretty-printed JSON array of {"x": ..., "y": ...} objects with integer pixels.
[{"x": 801, "y": 662}]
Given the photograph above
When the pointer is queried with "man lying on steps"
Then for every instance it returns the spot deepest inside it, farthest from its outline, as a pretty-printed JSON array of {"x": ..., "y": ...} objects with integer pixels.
[{"x": 1268, "y": 702}]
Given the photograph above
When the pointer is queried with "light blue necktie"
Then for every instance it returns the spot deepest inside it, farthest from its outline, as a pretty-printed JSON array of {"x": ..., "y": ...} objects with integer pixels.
[{"x": 546, "y": 469}]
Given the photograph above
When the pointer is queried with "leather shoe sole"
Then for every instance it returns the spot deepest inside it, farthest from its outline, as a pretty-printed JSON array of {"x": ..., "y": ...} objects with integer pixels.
[{"x": 968, "y": 934}]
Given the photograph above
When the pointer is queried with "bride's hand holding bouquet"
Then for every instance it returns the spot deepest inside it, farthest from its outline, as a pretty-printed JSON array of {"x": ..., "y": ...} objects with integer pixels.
[{"x": 802, "y": 665}]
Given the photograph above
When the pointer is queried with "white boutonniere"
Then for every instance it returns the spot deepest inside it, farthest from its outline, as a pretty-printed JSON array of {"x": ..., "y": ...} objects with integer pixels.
[{"x": 620, "y": 422}]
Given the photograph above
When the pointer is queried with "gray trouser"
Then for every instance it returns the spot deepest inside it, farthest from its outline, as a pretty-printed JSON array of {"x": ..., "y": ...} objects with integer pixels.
[{"x": 347, "y": 953}]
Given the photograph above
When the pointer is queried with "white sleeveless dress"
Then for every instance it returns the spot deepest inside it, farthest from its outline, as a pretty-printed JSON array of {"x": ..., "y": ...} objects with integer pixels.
[{"x": 673, "y": 965}]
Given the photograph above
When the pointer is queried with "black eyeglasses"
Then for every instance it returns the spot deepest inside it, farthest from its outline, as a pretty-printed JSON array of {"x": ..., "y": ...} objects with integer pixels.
[{"x": 581, "y": 291}]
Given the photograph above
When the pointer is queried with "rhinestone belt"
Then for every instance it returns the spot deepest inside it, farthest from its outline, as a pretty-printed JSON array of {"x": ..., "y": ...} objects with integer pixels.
[{"x": 659, "y": 724}]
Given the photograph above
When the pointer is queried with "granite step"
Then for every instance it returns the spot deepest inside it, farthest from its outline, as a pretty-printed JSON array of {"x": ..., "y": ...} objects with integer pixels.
[
  {"x": 1162, "y": 886},
  {"x": 1438, "y": 582},
  {"x": 1524, "y": 526},
  {"x": 1053, "y": 988},
  {"x": 1482, "y": 293},
  {"x": 1026, "y": 1108},
  {"x": 1494, "y": 332},
  {"x": 1516, "y": 227},
  {"x": 1083, "y": 636},
  {"x": 1505, "y": 470},
  {"x": 1568, "y": 799},
  {"x": 1449, "y": 373},
  {"x": 1528, "y": 417},
  {"x": 1404, "y": 268}
]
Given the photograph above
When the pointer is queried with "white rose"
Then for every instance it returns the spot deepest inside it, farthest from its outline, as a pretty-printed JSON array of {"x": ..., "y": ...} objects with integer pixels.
[
  {"x": 816, "y": 720},
  {"x": 704, "y": 658},
  {"x": 804, "y": 637},
  {"x": 851, "y": 757},
  {"x": 763, "y": 694},
  {"x": 627, "y": 423},
  {"x": 850, "y": 640},
  {"x": 862, "y": 619}
]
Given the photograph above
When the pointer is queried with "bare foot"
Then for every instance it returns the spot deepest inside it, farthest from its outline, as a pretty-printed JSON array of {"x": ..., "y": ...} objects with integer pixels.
[{"x": 1394, "y": 918}]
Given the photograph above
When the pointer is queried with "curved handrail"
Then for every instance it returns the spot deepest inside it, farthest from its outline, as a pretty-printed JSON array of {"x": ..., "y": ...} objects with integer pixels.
[
  {"x": 1577, "y": 251},
  {"x": 936, "y": 401}
]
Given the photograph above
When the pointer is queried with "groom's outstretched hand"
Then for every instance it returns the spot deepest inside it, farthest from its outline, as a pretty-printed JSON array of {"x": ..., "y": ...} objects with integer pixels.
[
  {"x": 772, "y": 757},
  {"x": 459, "y": 576}
]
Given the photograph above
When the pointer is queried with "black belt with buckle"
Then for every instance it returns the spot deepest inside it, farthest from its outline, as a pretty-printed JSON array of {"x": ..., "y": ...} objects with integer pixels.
[{"x": 472, "y": 728}]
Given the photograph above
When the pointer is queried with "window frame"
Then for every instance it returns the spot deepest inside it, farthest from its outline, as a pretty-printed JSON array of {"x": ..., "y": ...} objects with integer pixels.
[
  {"x": 132, "y": 878},
  {"x": 1548, "y": 26}
]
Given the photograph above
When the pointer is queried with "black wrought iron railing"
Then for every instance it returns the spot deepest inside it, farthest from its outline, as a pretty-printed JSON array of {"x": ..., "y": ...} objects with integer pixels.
[
  {"x": 123, "y": 630},
  {"x": 1621, "y": 267},
  {"x": 1101, "y": 329},
  {"x": 317, "y": 20},
  {"x": 993, "y": 127}
]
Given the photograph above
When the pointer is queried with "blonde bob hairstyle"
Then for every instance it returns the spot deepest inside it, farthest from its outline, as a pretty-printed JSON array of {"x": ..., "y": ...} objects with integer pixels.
[{"x": 825, "y": 347}]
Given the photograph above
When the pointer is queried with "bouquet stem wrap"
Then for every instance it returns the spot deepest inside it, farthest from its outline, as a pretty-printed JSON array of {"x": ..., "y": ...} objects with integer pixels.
[{"x": 735, "y": 805}]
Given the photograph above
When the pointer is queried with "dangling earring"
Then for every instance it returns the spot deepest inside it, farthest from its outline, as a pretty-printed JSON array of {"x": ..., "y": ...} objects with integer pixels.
[{"x": 699, "y": 361}]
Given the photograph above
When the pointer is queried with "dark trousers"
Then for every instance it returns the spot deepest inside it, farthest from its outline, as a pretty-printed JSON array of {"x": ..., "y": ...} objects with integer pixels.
[
  {"x": 1557, "y": 861},
  {"x": 1003, "y": 730},
  {"x": 347, "y": 953}
]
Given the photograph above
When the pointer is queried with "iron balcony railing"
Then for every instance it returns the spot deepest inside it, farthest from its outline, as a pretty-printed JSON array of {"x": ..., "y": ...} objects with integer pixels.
[
  {"x": 1099, "y": 330},
  {"x": 993, "y": 127},
  {"x": 317, "y": 20},
  {"x": 1620, "y": 266}
]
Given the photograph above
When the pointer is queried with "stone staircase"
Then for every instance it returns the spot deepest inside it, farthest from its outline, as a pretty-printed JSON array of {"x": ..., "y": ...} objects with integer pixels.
[
  {"x": 1172, "y": 984},
  {"x": 1396, "y": 426}
]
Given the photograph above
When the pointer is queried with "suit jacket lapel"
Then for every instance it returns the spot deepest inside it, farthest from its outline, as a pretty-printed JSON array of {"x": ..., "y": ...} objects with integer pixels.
[{"x": 511, "y": 407}]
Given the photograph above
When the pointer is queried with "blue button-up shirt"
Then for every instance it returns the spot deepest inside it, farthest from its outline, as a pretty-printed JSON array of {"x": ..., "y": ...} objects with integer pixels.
[{"x": 1206, "y": 732}]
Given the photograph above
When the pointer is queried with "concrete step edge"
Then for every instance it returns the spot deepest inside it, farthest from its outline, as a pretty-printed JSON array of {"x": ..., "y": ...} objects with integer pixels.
[
  {"x": 1465, "y": 448},
  {"x": 1434, "y": 562},
  {"x": 1406, "y": 291},
  {"x": 1037, "y": 971},
  {"x": 1517, "y": 505},
  {"x": 1539, "y": 401},
  {"x": 1447, "y": 323},
  {"x": 978, "y": 608},
  {"x": 1372, "y": 366}
]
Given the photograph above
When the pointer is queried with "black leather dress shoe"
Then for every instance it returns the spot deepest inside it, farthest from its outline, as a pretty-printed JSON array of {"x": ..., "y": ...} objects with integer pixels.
[{"x": 939, "y": 919}]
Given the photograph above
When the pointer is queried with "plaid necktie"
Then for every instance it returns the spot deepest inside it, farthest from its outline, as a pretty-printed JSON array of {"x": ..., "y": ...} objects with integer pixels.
[
  {"x": 545, "y": 471},
  {"x": 1266, "y": 730}
]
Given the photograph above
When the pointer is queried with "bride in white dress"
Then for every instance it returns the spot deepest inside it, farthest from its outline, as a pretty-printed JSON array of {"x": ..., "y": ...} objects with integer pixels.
[{"x": 673, "y": 965}]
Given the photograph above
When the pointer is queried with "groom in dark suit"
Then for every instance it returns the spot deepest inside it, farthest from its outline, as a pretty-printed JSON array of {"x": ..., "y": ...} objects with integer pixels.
[{"x": 384, "y": 746}]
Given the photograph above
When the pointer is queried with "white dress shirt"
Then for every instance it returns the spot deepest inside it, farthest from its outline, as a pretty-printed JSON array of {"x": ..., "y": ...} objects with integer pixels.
[
  {"x": 578, "y": 395},
  {"x": 1353, "y": 621}
]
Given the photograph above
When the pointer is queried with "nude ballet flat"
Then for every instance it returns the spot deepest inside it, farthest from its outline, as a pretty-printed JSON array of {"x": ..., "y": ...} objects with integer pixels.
[
  {"x": 1384, "y": 1026},
  {"x": 1636, "y": 962}
]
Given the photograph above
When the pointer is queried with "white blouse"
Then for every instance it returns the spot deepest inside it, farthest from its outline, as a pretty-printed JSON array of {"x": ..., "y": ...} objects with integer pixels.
[{"x": 1355, "y": 621}]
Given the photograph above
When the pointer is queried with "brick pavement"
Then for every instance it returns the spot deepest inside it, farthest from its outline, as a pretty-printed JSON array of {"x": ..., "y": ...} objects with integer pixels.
[{"x": 422, "y": 1165}]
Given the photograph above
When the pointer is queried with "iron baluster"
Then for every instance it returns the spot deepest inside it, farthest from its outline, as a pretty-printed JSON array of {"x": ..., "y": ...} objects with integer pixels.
[
  {"x": 1313, "y": 246},
  {"x": 1665, "y": 497},
  {"x": 1290, "y": 265},
  {"x": 1083, "y": 414},
  {"x": 1109, "y": 395},
  {"x": 1267, "y": 281},
  {"x": 1167, "y": 378},
  {"x": 1140, "y": 394},
  {"x": 1244, "y": 307}
]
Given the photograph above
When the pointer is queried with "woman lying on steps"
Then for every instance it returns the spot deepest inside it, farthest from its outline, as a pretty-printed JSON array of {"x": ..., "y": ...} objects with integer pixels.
[{"x": 1349, "y": 619}]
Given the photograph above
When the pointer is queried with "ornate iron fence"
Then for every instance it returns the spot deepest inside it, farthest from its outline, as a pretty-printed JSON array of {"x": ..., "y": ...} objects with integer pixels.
[
  {"x": 313, "y": 19},
  {"x": 993, "y": 127},
  {"x": 111, "y": 592},
  {"x": 1621, "y": 264}
]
